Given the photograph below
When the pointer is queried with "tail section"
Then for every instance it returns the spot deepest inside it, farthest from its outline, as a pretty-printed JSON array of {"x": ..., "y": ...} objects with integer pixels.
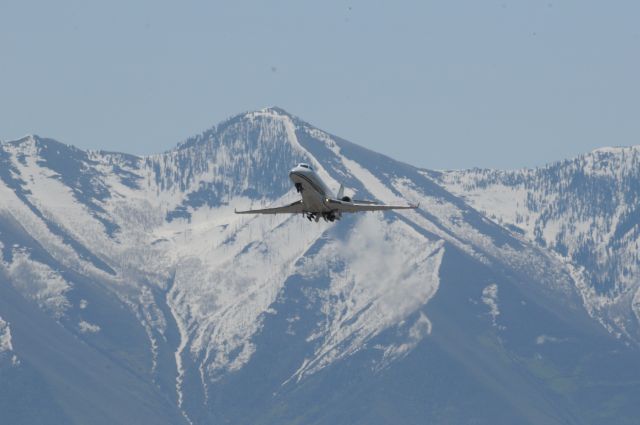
[{"x": 341, "y": 192}]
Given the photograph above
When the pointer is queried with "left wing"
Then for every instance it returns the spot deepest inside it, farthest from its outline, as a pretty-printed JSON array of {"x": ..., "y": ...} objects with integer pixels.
[
  {"x": 349, "y": 207},
  {"x": 293, "y": 208}
]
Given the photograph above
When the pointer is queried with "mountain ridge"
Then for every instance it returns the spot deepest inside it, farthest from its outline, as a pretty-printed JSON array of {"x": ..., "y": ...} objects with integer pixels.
[{"x": 583, "y": 208}]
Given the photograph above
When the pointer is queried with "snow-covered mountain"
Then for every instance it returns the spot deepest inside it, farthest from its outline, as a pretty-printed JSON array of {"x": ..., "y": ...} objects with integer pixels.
[
  {"x": 586, "y": 209},
  {"x": 131, "y": 293}
]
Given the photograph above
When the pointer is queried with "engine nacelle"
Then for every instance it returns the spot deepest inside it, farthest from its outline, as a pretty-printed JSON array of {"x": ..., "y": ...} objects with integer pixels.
[{"x": 346, "y": 199}]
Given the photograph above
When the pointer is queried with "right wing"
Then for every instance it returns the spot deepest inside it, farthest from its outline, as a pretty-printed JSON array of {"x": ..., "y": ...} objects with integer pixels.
[
  {"x": 355, "y": 206},
  {"x": 293, "y": 208}
]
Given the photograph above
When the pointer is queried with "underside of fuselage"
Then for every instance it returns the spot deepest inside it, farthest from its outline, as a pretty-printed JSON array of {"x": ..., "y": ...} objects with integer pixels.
[{"x": 314, "y": 197}]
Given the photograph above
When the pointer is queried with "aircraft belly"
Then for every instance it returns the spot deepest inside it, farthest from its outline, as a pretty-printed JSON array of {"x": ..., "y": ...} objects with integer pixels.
[{"x": 312, "y": 200}]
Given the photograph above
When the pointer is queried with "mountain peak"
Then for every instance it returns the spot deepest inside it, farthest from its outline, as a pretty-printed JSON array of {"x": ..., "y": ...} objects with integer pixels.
[
  {"x": 33, "y": 140},
  {"x": 245, "y": 118},
  {"x": 26, "y": 144},
  {"x": 275, "y": 110},
  {"x": 28, "y": 138}
]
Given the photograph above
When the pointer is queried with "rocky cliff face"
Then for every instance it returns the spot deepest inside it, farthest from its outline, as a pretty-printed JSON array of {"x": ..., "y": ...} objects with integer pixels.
[{"x": 129, "y": 287}]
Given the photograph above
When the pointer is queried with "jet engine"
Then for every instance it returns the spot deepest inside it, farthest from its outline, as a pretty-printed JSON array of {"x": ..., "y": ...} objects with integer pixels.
[{"x": 346, "y": 199}]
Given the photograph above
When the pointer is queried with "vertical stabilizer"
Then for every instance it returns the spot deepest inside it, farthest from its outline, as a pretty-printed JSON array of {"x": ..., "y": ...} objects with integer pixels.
[{"x": 341, "y": 192}]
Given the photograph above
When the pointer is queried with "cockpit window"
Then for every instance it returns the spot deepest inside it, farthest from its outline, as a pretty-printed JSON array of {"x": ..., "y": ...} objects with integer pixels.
[{"x": 306, "y": 166}]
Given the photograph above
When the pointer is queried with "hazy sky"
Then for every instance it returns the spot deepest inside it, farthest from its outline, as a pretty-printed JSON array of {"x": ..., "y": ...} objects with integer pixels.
[{"x": 440, "y": 84}]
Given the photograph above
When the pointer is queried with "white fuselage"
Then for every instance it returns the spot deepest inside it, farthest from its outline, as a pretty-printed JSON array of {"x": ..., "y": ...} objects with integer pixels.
[{"x": 313, "y": 190}]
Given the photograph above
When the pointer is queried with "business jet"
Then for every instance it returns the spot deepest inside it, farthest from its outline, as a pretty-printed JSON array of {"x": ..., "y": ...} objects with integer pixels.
[{"x": 319, "y": 202}]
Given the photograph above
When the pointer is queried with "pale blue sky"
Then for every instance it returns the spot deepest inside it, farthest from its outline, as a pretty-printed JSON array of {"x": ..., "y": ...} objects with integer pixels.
[{"x": 439, "y": 84}]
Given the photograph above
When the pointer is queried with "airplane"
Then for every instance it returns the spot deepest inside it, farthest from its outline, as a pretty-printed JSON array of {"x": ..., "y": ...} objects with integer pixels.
[{"x": 318, "y": 200}]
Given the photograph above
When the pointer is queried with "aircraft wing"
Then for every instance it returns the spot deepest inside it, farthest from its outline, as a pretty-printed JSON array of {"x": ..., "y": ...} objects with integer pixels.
[
  {"x": 355, "y": 206},
  {"x": 294, "y": 208}
]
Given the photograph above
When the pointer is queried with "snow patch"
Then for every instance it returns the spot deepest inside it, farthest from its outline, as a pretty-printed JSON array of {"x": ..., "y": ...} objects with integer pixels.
[
  {"x": 86, "y": 327},
  {"x": 39, "y": 282},
  {"x": 390, "y": 271},
  {"x": 184, "y": 340},
  {"x": 152, "y": 320},
  {"x": 490, "y": 298},
  {"x": 6, "y": 344},
  {"x": 417, "y": 332},
  {"x": 5, "y": 337},
  {"x": 544, "y": 339}
]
